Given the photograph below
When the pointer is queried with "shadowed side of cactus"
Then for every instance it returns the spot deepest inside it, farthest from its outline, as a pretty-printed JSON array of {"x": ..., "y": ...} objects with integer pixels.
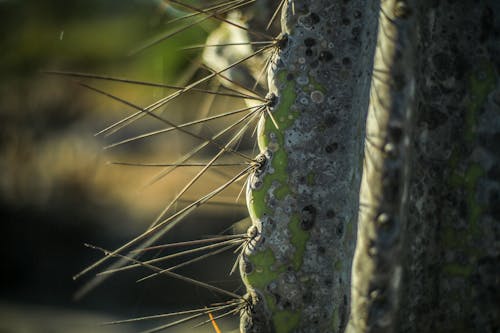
[{"x": 427, "y": 252}]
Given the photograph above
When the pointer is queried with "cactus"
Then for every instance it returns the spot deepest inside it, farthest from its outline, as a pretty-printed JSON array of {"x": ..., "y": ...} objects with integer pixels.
[{"x": 374, "y": 196}]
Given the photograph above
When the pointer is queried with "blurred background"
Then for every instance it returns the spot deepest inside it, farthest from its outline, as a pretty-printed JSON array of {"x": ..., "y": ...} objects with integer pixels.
[{"x": 57, "y": 190}]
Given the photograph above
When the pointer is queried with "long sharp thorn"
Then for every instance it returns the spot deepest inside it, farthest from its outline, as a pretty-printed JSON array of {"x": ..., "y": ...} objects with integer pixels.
[
  {"x": 235, "y": 94},
  {"x": 171, "y": 256},
  {"x": 175, "y": 323},
  {"x": 272, "y": 118},
  {"x": 275, "y": 14},
  {"x": 215, "y": 15},
  {"x": 156, "y": 165},
  {"x": 218, "y": 17},
  {"x": 203, "y": 170},
  {"x": 200, "y": 46},
  {"x": 189, "y": 262},
  {"x": 190, "y": 243},
  {"x": 145, "y": 111},
  {"x": 216, "y": 6},
  {"x": 186, "y": 157},
  {"x": 171, "y": 314},
  {"x": 142, "y": 112},
  {"x": 162, "y": 227},
  {"x": 169, "y": 129},
  {"x": 170, "y": 274}
]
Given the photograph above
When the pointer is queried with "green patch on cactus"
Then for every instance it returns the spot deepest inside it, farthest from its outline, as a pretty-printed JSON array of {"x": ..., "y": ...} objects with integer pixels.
[
  {"x": 481, "y": 82},
  {"x": 453, "y": 239},
  {"x": 458, "y": 270},
  {"x": 335, "y": 320},
  {"x": 279, "y": 160},
  {"x": 310, "y": 178},
  {"x": 281, "y": 113},
  {"x": 299, "y": 240},
  {"x": 286, "y": 321},
  {"x": 263, "y": 271},
  {"x": 338, "y": 266},
  {"x": 468, "y": 181},
  {"x": 282, "y": 192},
  {"x": 257, "y": 206},
  {"x": 472, "y": 175}
]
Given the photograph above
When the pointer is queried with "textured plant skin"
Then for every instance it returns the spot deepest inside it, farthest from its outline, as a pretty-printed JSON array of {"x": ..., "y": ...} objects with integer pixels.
[
  {"x": 378, "y": 266},
  {"x": 427, "y": 254},
  {"x": 451, "y": 279},
  {"x": 303, "y": 201}
]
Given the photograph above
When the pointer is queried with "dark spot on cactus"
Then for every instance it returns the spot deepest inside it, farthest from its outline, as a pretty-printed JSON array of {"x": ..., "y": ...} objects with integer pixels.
[
  {"x": 443, "y": 65},
  {"x": 331, "y": 147},
  {"x": 487, "y": 24},
  {"x": 330, "y": 214},
  {"x": 247, "y": 267},
  {"x": 433, "y": 117},
  {"x": 315, "y": 18},
  {"x": 491, "y": 142},
  {"x": 325, "y": 56},
  {"x": 308, "y": 217},
  {"x": 346, "y": 61},
  {"x": 290, "y": 77},
  {"x": 308, "y": 297},
  {"x": 357, "y": 14},
  {"x": 391, "y": 183},
  {"x": 496, "y": 97},
  {"x": 356, "y": 31},
  {"x": 378, "y": 312},
  {"x": 328, "y": 282},
  {"x": 494, "y": 204},
  {"x": 252, "y": 231},
  {"x": 346, "y": 21},
  {"x": 339, "y": 229},
  {"x": 287, "y": 305},
  {"x": 395, "y": 133},
  {"x": 271, "y": 287},
  {"x": 282, "y": 41},
  {"x": 321, "y": 250},
  {"x": 277, "y": 297},
  {"x": 494, "y": 172},
  {"x": 272, "y": 100},
  {"x": 399, "y": 79},
  {"x": 331, "y": 120},
  {"x": 343, "y": 313},
  {"x": 309, "y": 52},
  {"x": 314, "y": 64},
  {"x": 309, "y": 42}
]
